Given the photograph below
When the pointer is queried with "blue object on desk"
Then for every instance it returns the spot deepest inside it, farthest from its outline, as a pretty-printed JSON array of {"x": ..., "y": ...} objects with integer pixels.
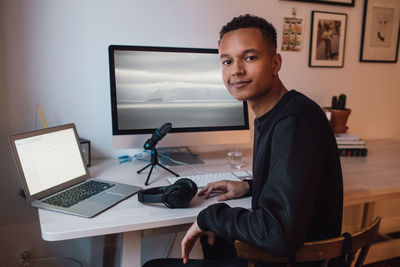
[{"x": 125, "y": 158}]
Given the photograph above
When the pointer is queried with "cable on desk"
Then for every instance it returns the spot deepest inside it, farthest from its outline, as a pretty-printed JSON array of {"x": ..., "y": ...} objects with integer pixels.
[
  {"x": 127, "y": 158},
  {"x": 182, "y": 163},
  {"x": 164, "y": 155}
]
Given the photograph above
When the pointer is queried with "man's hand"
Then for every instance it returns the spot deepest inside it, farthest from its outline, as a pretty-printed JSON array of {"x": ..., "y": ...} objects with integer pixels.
[
  {"x": 190, "y": 238},
  {"x": 228, "y": 189}
]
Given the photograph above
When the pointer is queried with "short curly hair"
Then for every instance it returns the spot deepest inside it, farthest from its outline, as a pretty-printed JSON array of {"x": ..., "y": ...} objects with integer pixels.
[{"x": 250, "y": 21}]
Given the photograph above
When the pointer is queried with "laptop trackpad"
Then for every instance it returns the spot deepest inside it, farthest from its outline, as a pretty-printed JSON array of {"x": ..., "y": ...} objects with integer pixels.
[{"x": 106, "y": 198}]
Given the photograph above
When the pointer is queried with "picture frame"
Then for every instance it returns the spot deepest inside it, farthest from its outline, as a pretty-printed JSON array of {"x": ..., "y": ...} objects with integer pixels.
[
  {"x": 349, "y": 3},
  {"x": 328, "y": 37},
  {"x": 380, "y": 31}
]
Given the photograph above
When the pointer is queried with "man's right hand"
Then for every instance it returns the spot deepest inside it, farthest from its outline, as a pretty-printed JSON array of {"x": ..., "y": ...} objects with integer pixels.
[{"x": 227, "y": 189}]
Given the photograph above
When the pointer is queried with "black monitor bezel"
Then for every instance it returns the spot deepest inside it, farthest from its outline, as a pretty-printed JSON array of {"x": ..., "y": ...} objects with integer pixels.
[{"x": 114, "y": 113}]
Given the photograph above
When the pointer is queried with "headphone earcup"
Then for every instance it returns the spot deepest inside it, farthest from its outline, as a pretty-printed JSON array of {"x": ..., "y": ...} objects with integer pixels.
[
  {"x": 188, "y": 184},
  {"x": 180, "y": 193}
]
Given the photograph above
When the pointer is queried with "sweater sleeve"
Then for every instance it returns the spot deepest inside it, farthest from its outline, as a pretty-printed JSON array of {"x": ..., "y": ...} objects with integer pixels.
[{"x": 286, "y": 204}]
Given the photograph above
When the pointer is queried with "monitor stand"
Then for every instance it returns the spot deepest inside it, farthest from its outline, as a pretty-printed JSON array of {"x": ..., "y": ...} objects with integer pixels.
[{"x": 172, "y": 156}]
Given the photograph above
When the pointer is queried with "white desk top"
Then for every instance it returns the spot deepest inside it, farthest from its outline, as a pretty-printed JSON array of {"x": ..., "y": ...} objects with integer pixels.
[
  {"x": 366, "y": 179},
  {"x": 130, "y": 214}
]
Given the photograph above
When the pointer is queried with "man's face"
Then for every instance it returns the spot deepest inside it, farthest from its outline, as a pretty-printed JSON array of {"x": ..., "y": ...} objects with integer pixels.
[{"x": 247, "y": 64}]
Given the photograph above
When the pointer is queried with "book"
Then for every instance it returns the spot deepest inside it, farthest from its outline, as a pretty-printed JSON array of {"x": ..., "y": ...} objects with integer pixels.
[
  {"x": 351, "y": 145},
  {"x": 347, "y": 137},
  {"x": 353, "y": 152},
  {"x": 350, "y": 142}
]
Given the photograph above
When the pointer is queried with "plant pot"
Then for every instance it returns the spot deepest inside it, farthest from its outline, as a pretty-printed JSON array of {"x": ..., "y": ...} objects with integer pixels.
[{"x": 339, "y": 119}]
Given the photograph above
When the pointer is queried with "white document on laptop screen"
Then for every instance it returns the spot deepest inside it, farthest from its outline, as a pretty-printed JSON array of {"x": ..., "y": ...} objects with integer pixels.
[{"x": 50, "y": 159}]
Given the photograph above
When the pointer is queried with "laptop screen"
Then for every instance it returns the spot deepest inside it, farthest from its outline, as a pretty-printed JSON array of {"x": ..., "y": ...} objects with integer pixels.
[{"x": 50, "y": 159}]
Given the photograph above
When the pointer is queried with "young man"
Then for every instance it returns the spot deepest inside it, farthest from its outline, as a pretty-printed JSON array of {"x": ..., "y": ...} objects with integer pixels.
[{"x": 297, "y": 192}]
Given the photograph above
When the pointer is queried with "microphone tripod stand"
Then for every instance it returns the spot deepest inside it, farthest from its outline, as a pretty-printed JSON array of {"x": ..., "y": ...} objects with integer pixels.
[{"x": 154, "y": 162}]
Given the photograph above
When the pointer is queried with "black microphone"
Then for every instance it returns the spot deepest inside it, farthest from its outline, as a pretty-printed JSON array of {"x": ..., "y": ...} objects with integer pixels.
[{"x": 157, "y": 136}]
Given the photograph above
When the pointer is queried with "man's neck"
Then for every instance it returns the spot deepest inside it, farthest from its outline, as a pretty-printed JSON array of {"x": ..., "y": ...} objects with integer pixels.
[{"x": 263, "y": 104}]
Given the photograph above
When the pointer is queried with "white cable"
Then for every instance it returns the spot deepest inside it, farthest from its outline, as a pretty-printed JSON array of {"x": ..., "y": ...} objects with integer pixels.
[{"x": 182, "y": 163}]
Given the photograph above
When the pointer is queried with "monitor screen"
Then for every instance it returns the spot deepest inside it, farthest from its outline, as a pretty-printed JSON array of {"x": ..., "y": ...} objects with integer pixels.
[{"x": 154, "y": 85}]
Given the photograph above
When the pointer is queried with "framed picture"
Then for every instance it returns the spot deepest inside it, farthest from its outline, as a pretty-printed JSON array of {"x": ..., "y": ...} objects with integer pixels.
[
  {"x": 380, "y": 32},
  {"x": 328, "y": 35},
  {"x": 330, "y": 2}
]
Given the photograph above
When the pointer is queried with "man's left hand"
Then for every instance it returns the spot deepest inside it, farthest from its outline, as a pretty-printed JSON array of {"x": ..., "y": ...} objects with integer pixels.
[{"x": 190, "y": 238}]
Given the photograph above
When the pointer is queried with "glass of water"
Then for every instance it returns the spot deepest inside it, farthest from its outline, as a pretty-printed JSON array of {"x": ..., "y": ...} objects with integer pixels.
[{"x": 234, "y": 157}]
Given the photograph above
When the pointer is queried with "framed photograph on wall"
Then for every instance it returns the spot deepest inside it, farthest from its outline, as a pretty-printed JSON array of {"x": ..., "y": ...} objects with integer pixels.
[
  {"x": 330, "y": 2},
  {"x": 328, "y": 36},
  {"x": 380, "y": 32}
]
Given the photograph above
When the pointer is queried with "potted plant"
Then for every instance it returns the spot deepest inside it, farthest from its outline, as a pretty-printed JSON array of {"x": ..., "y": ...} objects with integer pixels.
[{"x": 339, "y": 114}]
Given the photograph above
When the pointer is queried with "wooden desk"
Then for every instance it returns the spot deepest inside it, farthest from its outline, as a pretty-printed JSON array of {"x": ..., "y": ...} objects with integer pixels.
[
  {"x": 366, "y": 180},
  {"x": 371, "y": 180},
  {"x": 375, "y": 177}
]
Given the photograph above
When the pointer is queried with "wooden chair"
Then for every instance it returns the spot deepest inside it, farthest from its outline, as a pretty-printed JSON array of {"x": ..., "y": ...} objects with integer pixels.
[{"x": 323, "y": 250}]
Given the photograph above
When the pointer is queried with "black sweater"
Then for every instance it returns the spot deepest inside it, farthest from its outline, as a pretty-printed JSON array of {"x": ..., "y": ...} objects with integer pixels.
[{"x": 297, "y": 182}]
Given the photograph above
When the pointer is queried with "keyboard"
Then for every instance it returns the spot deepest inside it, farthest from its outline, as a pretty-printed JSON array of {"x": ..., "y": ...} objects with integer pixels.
[
  {"x": 77, "y": 194},
  {"x": 202, "y": 180}
]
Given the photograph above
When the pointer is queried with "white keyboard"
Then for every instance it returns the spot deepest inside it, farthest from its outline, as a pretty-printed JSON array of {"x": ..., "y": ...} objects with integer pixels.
[{"x": 202, "y": 180}]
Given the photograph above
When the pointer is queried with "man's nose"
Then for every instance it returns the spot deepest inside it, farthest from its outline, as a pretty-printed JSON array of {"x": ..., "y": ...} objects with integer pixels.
[{"x": 238, "y": 69}]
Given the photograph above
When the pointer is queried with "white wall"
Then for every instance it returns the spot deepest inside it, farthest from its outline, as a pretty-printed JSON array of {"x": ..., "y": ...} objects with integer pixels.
[
  {"x": 55, "y": 53},
  {"x": 57, "y": 56}
]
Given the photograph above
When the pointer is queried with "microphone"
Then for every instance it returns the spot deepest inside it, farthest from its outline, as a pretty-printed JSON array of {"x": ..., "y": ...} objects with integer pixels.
[{"x": 157, "y": 136}]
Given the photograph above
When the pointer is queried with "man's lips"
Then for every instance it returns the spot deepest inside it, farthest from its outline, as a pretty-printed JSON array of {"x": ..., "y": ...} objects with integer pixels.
[{"x": 240, "y": 84}]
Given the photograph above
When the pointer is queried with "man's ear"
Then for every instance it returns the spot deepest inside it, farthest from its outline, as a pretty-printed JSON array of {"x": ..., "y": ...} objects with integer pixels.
[{"x": 276, "y": 64}]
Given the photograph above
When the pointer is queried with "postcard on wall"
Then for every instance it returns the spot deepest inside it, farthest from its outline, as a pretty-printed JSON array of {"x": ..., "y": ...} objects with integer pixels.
[{"x": 292, "y": 34}]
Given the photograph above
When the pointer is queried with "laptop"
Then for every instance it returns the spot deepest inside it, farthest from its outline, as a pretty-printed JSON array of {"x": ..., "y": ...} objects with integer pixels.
[{"x": 54, "y": 175}]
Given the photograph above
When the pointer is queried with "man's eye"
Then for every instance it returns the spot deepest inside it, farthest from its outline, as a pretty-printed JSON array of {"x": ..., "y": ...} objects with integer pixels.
[
  {"x": 250, "y": 58},
  {"x": 227, "y": 62}
]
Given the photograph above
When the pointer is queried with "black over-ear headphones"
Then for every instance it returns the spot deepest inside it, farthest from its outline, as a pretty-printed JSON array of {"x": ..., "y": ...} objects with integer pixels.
[{"x": 177, "y": 195}]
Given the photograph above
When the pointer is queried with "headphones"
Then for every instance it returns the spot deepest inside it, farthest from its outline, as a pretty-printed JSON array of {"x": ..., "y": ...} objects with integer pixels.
[{"x": 177, "y": 195}]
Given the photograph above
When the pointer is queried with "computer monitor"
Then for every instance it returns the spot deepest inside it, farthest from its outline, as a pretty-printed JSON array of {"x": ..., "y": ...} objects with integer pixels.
[{"x": 154, "y": 85}]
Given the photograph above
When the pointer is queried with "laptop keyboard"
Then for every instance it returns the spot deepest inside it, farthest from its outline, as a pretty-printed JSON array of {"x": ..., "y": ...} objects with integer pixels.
[{"x": 77, "y": 194}]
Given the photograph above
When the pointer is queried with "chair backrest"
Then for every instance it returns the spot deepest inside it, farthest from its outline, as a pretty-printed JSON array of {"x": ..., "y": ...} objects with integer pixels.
[{"x": 322, "y": 250}]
